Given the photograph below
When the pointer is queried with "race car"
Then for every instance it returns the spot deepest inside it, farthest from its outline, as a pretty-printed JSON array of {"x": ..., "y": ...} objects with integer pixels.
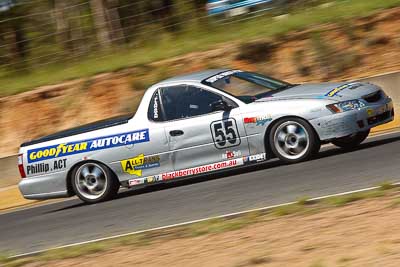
[{"x": 198, "y": 124}]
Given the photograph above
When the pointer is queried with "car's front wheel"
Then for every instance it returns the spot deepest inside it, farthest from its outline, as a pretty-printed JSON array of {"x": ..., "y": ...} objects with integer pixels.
[
  {"x": 94, "y": 182},
  {"x": 293, "y": 140},
  {"x": 351, "y": 141}
]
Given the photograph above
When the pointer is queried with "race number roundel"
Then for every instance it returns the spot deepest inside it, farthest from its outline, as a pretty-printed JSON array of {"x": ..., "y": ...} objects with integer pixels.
[{"x": 225, "y": 133}]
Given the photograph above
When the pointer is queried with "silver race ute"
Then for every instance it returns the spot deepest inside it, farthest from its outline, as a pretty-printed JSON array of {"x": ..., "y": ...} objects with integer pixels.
[{"x": 197, "y": 124}]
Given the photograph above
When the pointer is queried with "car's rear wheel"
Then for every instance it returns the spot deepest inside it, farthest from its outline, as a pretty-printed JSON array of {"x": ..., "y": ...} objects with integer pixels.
[
  {"x": 293, "y": 140},
  {"x": 94, "y": 182},
  {"x": 351, "y": 141}
]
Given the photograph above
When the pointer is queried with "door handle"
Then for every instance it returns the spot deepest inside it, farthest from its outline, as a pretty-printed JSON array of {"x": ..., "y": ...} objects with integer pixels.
[{"x": 176, "y": 132}]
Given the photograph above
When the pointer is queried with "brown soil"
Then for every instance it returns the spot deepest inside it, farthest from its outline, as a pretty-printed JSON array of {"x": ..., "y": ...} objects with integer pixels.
[
  {"x": 369, "y": 46},
  {"x": 366, "y": 233}
]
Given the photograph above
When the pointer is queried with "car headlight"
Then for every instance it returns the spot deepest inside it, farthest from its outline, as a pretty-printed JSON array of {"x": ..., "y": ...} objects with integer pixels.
[{"x": 345, "y": 106}]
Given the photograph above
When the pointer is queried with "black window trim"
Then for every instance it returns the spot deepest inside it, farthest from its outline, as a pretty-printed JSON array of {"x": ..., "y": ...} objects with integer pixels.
[
  {"x": 149, "y": 117},
  {"x": 158, "y": 90}
]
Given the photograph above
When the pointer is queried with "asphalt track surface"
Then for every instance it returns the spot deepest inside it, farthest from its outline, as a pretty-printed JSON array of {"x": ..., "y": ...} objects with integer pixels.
[{"x": 334, "y": 171}]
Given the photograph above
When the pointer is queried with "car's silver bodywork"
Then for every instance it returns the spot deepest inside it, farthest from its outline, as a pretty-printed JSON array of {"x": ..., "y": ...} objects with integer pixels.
[{"x": 142, "y": 151}]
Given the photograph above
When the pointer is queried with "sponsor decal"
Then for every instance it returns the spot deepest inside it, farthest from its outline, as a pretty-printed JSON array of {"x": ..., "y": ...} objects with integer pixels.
[
  {"x": 225, "y": 133},
  {"x": 250, "y": 120},
  {"x": 62, "y": 150},
  {"x": 259, "y": 121},
  {"x": 155, "y": 107},
  {"x": 349, "y": 86},
  {"x": 255, "y": 158},
  {"x": 202, "y": 169},
  {"x": 231, "y": 154},
  {"x": 134, "y": 166},
  {"x": 370, "y": 112},
  {"x": 221, "y": 76},
  {"x": 136, "y": 182},
  {"x": 153, "y": 179},
  {"x": 40, "y": 168}
]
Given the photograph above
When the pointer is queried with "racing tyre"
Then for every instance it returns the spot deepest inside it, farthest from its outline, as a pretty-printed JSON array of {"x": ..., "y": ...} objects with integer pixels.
[
  {"x": 94, "y": 182},
  {"x": 351, "y": 141},
  {"x": 293, "y": 140}
]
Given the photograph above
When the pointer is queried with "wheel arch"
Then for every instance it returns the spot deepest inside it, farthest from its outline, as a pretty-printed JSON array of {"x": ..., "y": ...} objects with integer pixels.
[
  {"x": 70, "y": 173},
  {"x": 274, "y": 122}
]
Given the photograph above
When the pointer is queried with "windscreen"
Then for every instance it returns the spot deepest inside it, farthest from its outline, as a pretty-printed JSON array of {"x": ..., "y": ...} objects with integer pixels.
[{"x": 247, "y": 86}]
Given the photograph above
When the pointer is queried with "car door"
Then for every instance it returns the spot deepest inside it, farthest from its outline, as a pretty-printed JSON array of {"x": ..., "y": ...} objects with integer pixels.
[
  {"x": 144, "y": 162},
  {"x": 198, "y": 135}
]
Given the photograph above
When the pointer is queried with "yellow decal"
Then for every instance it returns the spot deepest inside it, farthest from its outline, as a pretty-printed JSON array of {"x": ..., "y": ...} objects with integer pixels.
[
  {"x": 129, "y": 165},
  {"x": 60, "y": 150},
  {"x": 336, "y": 90}
]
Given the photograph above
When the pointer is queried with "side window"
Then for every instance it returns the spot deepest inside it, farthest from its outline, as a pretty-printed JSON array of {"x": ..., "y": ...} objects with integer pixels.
[
  {"x": 186, "y": 101},
  {"x": 155, "y": 112}
]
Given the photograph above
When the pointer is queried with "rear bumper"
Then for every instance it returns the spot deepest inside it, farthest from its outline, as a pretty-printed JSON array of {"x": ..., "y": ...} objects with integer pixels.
[
  {"x": 350, "y": 122},
  {"x": 45, "y": 187}
]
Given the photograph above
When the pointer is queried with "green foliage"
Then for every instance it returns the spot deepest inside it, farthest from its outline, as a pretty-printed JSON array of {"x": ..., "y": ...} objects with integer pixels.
[
  {"x": 220, "y": 225},
  {"x": 395, "y": 203},
  {"x": 135, "y": 240},
  {"x": 3, "y": 258},
  {"x": 386, "y": 186},
  {"x": 303, "y": 201},
  {"x": 288, "y": 209},
  {"x": 46, "y": 59},
  {"x": 348, "y": 198},
  {"x": 18, "y": 262},
  {"x": 72, "y": 252},
  {"x": 215, "y": 226},
  {"x": 6, "y": 261}
]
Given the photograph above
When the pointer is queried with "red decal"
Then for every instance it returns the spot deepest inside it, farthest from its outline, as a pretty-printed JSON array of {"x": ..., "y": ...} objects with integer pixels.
[{"x": 250, "y": 120}]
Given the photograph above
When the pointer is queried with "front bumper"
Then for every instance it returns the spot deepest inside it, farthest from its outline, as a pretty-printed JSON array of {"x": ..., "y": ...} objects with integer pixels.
[
  {"x": 350, "y": 122},
  {"x": 47, "y": 186}
]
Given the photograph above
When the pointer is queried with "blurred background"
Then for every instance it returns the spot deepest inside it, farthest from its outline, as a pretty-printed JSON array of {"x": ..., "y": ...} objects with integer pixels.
[{"x": 67, "y": 63}]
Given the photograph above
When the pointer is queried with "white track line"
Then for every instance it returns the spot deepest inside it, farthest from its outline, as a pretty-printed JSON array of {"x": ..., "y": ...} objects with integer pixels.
[{"x": 195, "y": 221}]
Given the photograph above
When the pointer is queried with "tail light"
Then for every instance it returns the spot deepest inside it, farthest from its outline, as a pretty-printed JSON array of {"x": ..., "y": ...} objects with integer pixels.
[{"x": 21, "y": 165}]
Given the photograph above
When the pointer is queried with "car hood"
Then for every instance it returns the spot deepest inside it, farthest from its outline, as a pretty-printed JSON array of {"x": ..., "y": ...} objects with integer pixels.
[{"x": 330, "y": 91}]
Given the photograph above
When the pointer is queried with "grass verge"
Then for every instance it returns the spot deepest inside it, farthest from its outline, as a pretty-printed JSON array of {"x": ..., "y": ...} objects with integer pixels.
[
  {"x": 207, "y": 227},
  {"x": 192, "y": 39}
]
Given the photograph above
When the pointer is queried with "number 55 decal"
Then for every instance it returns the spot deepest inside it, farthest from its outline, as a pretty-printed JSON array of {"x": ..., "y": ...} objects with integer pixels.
[{"x": 225, "y": 133}]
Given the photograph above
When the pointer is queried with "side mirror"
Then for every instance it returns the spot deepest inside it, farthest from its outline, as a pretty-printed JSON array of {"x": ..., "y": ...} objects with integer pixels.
[{"x": 220, "y": 105}]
